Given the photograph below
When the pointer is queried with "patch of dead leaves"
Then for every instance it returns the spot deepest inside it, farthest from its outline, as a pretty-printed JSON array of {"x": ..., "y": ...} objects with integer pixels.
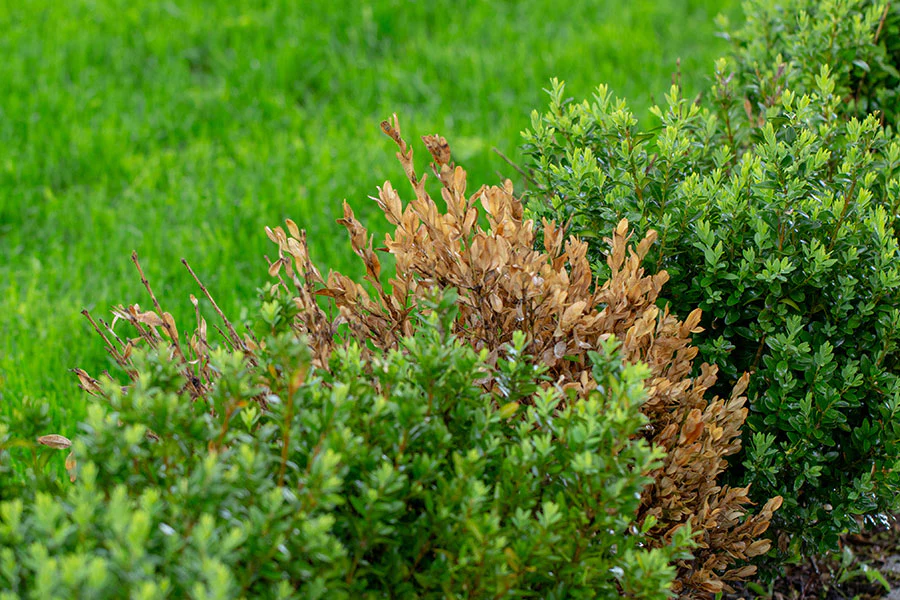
[{"x": 504, "y": 284}]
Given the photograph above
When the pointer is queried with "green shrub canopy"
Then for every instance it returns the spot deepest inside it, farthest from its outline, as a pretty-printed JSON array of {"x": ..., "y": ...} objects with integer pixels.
[
  {"x": 780, "y": 223},
  {"x": 391, "y": 477}
]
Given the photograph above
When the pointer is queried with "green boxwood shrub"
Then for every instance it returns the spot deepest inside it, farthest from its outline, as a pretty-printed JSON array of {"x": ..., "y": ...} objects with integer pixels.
[
  {"x": 395, "y": 476},
  {"x": 787, "y": 40},
  {"x": 779, "y": 222}
]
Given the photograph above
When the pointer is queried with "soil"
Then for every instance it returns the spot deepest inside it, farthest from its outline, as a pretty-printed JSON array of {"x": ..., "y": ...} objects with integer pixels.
[{"x": 823, "y": 579}]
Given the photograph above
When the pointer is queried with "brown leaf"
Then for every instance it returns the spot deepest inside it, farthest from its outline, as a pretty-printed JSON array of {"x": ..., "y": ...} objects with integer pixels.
[
  {"x": 571, "y": 314},
  {"x": 757, "y": 548},
  {"x": 392, "y": 130},
  {"x": 169, "y": 320},
  {"x": 148, "y": 318},
  {"x": 459, "y": 178},
  {"x": 692, "y": 323},
  {"x": 740, "y": 573},
  {"x": 438, "y": 147},
  {"x": 275, "y": 267},
  {"x": 292, "y": 228},
  {"x": 88, "y": 383},
  {"x": 559, "y": 349},
  {"x": 373, "y": 265},
  {"x": 741, "y": 385},
  {"x": 71, "y": 466},
  {"x": 471, "y": 218},
  {"x": 713, "y": 586},
  {"x": 58, "y": 442},
  {"x": 692, "y": 428},
  {"x": 496, "y": 303}
]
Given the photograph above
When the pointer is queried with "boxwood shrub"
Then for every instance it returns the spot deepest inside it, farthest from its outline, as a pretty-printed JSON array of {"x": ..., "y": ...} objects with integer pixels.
[
  {"x": 390, "y": 475},
  {"x": 504, "y": 294},
  {"x": 787, "y": 41},
  {"x": 778, "y": 220}
]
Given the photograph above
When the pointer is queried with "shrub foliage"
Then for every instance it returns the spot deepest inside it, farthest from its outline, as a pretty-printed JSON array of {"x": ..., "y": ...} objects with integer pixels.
[
  {"x": 516, "y": 411},
  {"x": 503, "y": 286},
  {"x": 781, "y": 45},
  {"x": 779, "y": 222},
  {"x": 395, "y": 475}
]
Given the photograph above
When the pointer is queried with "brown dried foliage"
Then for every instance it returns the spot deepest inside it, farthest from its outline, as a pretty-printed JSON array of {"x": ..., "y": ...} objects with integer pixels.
[
  {"x": 505, "y": 284},
  {"x": 155, "y": 328}
]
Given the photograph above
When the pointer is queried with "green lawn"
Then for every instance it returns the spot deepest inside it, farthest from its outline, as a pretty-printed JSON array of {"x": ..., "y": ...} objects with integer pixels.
[{"x": 182, "y": 128}]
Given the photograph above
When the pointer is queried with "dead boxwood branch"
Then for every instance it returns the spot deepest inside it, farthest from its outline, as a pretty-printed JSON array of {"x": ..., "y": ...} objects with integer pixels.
[
  {"x": 154, "y": 328},
  {"x": 504, "y": 284}
]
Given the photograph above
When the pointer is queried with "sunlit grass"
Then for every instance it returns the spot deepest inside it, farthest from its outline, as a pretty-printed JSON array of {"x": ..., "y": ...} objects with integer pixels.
[{"x": 181, "y": 129}]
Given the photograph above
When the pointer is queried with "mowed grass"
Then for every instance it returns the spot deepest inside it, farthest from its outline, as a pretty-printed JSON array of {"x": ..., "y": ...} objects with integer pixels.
[{"x": 183, "y": 128}]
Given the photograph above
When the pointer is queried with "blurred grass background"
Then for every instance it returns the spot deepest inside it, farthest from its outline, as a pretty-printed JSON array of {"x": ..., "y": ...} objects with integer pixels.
[{"x": 182, "y": 128}]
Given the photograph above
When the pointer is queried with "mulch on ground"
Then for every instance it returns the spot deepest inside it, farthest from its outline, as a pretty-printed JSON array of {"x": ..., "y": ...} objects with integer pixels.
[{"x": 817, "y": 579}]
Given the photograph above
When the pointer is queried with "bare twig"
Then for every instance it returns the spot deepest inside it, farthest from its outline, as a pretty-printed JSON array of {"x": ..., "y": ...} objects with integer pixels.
[
  {"x": 518, "y": 169},
  {"x": 110, "y": 331},
  {"x": 109, "y": 345},
  {"x": 235, "y": 338},
  {"x": 884, "y": 14},
  {"x": 167, "y": 323},
  {"x": 225, "y": 337}
]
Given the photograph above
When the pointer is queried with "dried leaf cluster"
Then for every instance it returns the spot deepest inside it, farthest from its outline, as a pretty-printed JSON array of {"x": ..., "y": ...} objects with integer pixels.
[
  {"x": 155, "y": 327},
  {"x": 504, "y": 284}
]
